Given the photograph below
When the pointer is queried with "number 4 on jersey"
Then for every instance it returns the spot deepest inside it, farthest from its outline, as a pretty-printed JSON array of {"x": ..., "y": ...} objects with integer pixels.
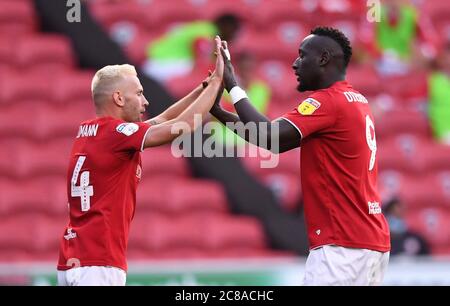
[{"x": 84, "y": 191}]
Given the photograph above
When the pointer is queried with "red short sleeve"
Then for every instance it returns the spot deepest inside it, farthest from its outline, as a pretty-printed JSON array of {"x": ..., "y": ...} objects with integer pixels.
[
  {"x": 129, "y": 136},
  {"x": 314, "y": 114}
]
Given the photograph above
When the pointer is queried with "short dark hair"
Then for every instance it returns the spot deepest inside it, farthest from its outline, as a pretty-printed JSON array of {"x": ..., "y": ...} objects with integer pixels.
[
  {"x": 228, "y": 18},
  {"x": 338, "y": 37}
]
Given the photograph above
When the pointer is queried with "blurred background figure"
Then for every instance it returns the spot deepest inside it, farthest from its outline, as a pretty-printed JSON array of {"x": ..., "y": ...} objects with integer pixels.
[
  {"x": 403, "y": 38},
  {"x": 216, "y": 208},
  {"x": 403, "y": 240},
  {"x": 188, "y": 46},
  {"x": 439, "y": 96}
]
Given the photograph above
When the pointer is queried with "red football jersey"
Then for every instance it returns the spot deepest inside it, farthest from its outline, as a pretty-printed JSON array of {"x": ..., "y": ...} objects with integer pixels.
[
  {"x": 104, "y": 171},
  {"x": 339, "y": 169}
]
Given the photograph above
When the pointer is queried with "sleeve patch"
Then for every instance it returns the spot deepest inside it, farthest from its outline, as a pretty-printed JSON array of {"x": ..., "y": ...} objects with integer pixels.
[
  {"x": 127, "y": 129},
  {"x": 308, "y": 106}
]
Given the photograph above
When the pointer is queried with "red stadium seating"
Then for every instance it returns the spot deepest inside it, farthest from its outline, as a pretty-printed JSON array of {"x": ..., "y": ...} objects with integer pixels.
[
  {"x": 403, "y": 153},
  {"x": 432, "y": 224},
  {"x": 16, "y": 87},
  {"x": 47, "y": 195},
  {"x": 396, "y": 122},
  {"x": 29, "y": 159},
  {"x": 261, "y": 44},
  {"x": 10, "y": 126},
  {"x": 125, "y": 12},
  {"x": 49, "y": 158},
  {"x": 157, "y": 232},
  {"x": 137, "y": 46},
  {"x": 44, "y": 53},
  {"x": 287, "y": 162},
  {"x": 286, "y": 10},
  {"x": 414, "y": 85},
  {"x": 64, "y": 122},
  {"x": 438, "y": 157},
  {"x": 167, "y": 13},
  {"x": 73, "y": 87},
  {"x": 365, "y": 80},
  {"x": 33, "y": 233},
  {"x": 173, "y": 195},
  {"x": 286, "y": 187},
  {"x": 160, "y": 160},
  {"x": 241, "y": 8},
  {"x": 391, "y": 183},
  {"x": 17, "y": 17},
  {"x": 224, "y": 232},
  {"x": 201, "y": 231},
  {"x": 281, "y": 77},
  {"x": 47, "y": 121}
]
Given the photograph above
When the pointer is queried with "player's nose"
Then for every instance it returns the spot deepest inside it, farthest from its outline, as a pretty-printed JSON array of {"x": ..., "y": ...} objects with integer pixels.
[
  {"x": 294, "y": 64},
  {"x": 146, "y": 103}
]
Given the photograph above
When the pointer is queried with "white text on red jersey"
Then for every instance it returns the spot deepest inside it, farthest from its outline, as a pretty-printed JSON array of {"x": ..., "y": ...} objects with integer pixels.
[{"x": 88, "y": 130}]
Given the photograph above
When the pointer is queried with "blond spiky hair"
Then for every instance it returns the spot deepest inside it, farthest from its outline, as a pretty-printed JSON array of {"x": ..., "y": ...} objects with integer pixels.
[{"x": 105, "y": 80}]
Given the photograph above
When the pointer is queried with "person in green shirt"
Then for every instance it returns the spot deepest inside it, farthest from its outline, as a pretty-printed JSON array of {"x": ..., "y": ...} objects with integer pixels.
[
  {"x": 403, "y": 38},
  {"x": 439, "y": 96},
  {"x": 187, "y": 46}
]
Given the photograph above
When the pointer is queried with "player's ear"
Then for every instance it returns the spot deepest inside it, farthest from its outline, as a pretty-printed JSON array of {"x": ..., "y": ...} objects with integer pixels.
[
  {"x": 324, "y": 58},
  {"x": 118, "y": 99}
]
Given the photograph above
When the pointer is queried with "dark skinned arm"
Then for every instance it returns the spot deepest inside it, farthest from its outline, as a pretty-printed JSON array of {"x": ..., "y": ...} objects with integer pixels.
[{"x": 288, "y": 136}]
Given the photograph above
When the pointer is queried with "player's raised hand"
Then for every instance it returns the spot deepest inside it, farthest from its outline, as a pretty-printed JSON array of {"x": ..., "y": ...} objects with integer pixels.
[
  {"x": 229, "y": 78},
  {"x": 218, "y": 72}
]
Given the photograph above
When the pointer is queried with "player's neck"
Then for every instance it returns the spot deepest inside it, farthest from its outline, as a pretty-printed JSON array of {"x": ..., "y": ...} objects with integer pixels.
[
  {"x": 107, "y": 113},
  {"x": 332, "y": 79}
]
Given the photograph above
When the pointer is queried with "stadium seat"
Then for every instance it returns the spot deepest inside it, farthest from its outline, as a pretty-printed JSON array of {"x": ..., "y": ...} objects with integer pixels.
[
  {"x": 44, "y": 53},
  {"x": 394, "y": 122},
  {"x": 47, "y": 122},
  {"x": 73, "y": 87},
  {"x": 46, "y": 195},
  {"x": 201, "y": 195},
  {"x": 436, "y": 187},
  {"x": 158, "y": 232},
  {"x": 136, "y": 47},
  {"x": 270, "y": 12},
  {"x": 403, "y": 153},
  {"x": 17, "y": 17},
  {"x": 34, "y": 233},
  {"x": 241, "y": 8},
  {"x": 160, "y": 160},
  {"x": 172, "y": 195},
  {"x": 365, "y": 80},
  {"x": 437, "y": 157},
  {"x": 10, "y": 126},
  {"x": 414, "y": 85},
  {"x": 43, "y": 158},
  {"x": 169, "y": 13},
  {"x": 19, "y": 87},
  {"x": 287, "y": 162},
  {"x": 261, "y": 44},
  {"x": 225, "y": 232},
  {"x": 119, "y": 13},
  {"x": 286, "y": 188},
  {"x": 65, "y": 121},
  {"x": 6, "y": 51},
  {"x": 432, "y": 223},
  {"x": 281, "y": 77},
  {"x": 391, "y": 183}
]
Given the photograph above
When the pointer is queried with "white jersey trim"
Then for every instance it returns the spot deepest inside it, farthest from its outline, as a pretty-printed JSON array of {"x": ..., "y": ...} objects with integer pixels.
[
  {"x": 298, "y": 129},
  {"x": 143, "y": 140}
]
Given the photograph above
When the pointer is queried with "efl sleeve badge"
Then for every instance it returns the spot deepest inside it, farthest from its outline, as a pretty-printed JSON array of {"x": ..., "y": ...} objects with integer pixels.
[{"x": 308, "y": 106}]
